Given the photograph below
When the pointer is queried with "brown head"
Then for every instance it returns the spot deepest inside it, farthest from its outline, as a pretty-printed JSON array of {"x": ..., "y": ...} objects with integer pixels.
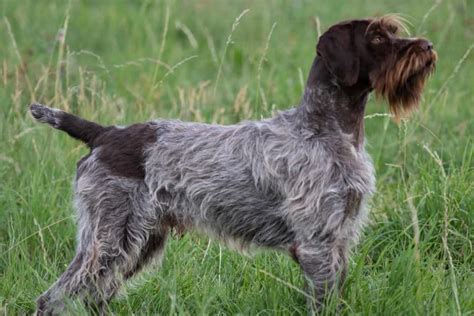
[{"x": 371, "y": 53}]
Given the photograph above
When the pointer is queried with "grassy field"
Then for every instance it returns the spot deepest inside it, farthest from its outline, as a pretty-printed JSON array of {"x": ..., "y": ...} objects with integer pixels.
[{"x": 119, "y": 62}]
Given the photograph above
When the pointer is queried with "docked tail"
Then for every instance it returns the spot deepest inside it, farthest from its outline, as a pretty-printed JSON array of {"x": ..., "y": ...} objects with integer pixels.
[{"x": 75, "y": 126}]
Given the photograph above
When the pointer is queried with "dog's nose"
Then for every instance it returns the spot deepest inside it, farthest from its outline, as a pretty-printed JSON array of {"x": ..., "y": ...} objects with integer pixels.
[{"x": 426, "y": 45}]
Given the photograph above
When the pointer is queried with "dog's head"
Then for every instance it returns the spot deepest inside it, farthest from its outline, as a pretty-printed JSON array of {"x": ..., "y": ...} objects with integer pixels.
[{"x": 372, "y": 52}]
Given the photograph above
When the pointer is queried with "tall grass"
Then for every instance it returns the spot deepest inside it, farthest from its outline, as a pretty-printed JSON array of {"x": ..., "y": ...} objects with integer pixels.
[{"x": 222, "y": 62}]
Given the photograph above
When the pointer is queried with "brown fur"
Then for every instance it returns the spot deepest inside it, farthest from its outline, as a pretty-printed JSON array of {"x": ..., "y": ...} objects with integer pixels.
[
  {"x": 122, "y": 149},
  {"x": 401, "y": 78},
  {"x": 396, "y": 68}
]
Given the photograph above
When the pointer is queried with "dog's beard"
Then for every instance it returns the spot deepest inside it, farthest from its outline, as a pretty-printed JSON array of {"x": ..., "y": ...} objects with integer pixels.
[{"x": 401, "y": 82}]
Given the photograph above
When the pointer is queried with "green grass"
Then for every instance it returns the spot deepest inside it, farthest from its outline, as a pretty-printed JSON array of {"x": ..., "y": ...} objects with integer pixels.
[{"x": 416, "y": 257}]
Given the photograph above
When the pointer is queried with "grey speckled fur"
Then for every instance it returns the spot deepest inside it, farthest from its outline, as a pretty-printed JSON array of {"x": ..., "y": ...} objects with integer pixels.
[{"x": 263, "y": 183}]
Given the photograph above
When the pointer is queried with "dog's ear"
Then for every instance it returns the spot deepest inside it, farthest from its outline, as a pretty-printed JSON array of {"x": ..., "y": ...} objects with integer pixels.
[{"x": 337, "y": 49}]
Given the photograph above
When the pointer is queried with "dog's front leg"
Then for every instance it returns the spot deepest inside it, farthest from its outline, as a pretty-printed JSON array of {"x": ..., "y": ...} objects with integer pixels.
[{"x": 324, "y": 264}]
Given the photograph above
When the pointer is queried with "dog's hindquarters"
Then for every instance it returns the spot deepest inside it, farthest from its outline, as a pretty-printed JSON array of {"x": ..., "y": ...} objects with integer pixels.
[{"x": 118, "y": 233}]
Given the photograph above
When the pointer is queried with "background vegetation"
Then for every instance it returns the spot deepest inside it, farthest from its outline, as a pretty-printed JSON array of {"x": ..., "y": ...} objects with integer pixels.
[{"x": 119, "y": 62}]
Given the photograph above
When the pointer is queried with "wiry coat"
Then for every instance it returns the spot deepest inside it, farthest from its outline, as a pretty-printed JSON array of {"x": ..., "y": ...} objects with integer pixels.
[
  {"x": 297, "y": 182},
  {"x": 267, "y": 183}
]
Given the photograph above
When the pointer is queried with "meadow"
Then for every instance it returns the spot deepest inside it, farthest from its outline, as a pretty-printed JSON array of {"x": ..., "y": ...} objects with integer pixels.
[{"x": 119, "y": 62}]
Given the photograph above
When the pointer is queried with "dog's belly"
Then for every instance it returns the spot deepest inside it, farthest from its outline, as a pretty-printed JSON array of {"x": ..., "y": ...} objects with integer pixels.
[
  {"x": 229, "y": 206},
  {"x": 247, "y": 224}
]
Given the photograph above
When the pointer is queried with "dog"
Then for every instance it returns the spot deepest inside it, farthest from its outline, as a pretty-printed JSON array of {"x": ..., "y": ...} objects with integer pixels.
[{"x": 298, "y": 182}]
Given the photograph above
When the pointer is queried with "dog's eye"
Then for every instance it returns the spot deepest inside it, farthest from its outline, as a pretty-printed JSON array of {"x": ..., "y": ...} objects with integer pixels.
[
  {"x": 377, "y": 40},
  {"x": 393, "y": 29}
]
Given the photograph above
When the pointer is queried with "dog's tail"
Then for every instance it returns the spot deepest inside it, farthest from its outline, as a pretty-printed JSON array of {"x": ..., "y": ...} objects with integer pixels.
[{"x": 75, "y": 126}]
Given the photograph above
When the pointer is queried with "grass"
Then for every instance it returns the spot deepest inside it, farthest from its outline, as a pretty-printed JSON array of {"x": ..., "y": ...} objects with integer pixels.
[{"x": 222, "y": 62}]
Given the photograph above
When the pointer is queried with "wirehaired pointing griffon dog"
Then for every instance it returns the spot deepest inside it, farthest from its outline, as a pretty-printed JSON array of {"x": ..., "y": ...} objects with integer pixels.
[{"x": 297, "y": 182}]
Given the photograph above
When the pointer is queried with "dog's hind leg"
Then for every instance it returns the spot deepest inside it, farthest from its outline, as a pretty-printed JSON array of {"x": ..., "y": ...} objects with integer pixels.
[
  {"x": 51, "y": 301},
  {"x": 153, "y": 250},
  {"x": 118, "y": 233}
]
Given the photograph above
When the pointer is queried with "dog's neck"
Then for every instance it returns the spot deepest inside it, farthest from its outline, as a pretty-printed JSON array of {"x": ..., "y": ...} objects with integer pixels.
[{"x": 326, "y": 106}]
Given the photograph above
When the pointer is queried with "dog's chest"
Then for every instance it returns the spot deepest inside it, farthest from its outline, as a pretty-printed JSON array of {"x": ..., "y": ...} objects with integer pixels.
[{"x": 360, "y": 185}]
